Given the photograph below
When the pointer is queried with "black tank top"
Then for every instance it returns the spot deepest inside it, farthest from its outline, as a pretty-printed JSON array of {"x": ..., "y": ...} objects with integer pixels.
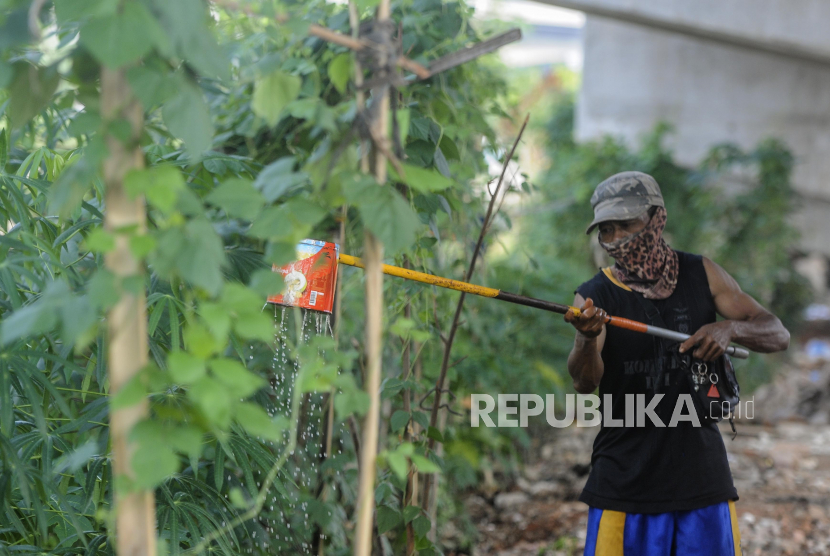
[{"x": 652, "y": 469}]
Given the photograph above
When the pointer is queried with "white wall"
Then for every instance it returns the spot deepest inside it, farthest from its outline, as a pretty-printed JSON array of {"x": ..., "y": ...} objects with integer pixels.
[{"x": 635, "y": 76}]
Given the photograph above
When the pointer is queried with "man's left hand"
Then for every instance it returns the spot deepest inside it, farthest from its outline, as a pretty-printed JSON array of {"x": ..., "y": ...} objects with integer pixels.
[{"x": 711, "y": 340}]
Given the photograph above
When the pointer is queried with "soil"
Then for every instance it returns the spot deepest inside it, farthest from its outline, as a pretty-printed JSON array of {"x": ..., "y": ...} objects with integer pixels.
[{"x": 781, "y": 471}]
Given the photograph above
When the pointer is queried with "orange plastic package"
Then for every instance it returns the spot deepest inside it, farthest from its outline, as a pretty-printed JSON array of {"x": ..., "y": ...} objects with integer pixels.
[{"x": 310, "y": 281}]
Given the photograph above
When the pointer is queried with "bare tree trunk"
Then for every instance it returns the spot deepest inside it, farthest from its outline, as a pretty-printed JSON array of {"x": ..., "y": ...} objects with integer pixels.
[
  {"x": 373, "y": 257},
  {"x": 127, "y": 320}
]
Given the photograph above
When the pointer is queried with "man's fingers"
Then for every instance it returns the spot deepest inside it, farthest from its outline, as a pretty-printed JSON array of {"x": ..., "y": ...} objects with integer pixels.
[
  {"x": 588, "y": 304},
  {"x": 691, "y": 342}
]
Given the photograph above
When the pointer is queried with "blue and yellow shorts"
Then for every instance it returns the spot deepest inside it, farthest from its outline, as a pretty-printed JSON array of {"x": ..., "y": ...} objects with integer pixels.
[{"x": 709, "y": 531}]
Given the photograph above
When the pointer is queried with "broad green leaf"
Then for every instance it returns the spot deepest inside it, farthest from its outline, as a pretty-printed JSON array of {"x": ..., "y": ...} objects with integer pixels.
[
  {"x": 340, "y": 71},
  {"x": 185, "y": 368},
  {"x": 238, "y": 198},
  {"x": 237, "y": 379},
  {"x": 124, "y": 36},
  {"x": 186, "y": 23},
  {"x": 217, "y": 319},
  {"x": 73, "y": 10},
  {"x": 237, "y": 498},
  {"x": 142, "y": 245},
  {"x": 199, "y": 341},
  {"x": 421, "y": 525},
  {"x": 266, "y": 282},
  {"x": 258, "y": 326},
  {"x": 103, "y": 289},
  {"x": 388, "y": 519},
  {"x": 384, "y": 212},
  {"x": 37, "y": 317},
  {"x": 293, "y": 220},
  {"x": 435, "y": 434},
  {"x": 366, "y": 4},
  {"x": 279, "y": 179},
  {"x": 272, "y": 93},
  {"x": 399, "y": 420},
  {"x": 257, "y": 422},
  {"x": 152, "y": 464},
  {"x": 410, "y": 513},
  {"x": 153, "y": 87},
  {"x": 188, "y": 118},
  {"x": 397, "y": 463},
  {"x": 214, "y": 399},
  {"x": 424, "y": 465},
  {"x": 130, "y": 393},
  {"x": 421, "y": 179},
  {"x": 194, "y": 252},
  {"x": 160, "y": 184},
  {"x": 31, "y": 90},
  {"x": 100, "y": 241}
]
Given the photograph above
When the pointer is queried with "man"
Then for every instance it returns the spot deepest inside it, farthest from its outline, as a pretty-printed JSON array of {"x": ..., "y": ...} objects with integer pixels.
[{"x": 657, "y": 491}]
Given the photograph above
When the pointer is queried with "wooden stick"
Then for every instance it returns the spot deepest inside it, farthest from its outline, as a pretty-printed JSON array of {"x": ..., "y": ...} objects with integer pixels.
[
  {"x": 127, "y": 320},
  {"x": 373, "y": 255}
]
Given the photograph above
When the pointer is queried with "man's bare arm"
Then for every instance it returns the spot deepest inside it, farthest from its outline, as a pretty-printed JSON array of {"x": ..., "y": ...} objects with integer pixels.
[
  {"x": 584, "y": 362},
  {"x": 747, "y": 322}
]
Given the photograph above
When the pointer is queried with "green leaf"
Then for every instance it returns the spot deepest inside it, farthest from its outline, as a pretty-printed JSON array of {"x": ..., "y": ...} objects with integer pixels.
[
  {"x": 410, "y": 513},
  {"x": 388, "y": 518},
  {"x": 384, "y": 212},
  {"x": 421, "y": 179},
  {"x": 142, "y": 245},
  {"x": 130, "y": 394},
  {"x": 152, "y": 464},
  {"x": 4, "y": 138},
  {"x": 397, "y": 463},
  {"x": 161, "y": 185},
  {"x": 73, "y": 10},
  {"x": 257, "y": 422},
  {"x": 238, "y": 198},
  {"x": 103, "y": 289},
  {"x": 100, "y": 241},
  {"x": 421, "y": 525},
  {"x": 199, "y": 341},
  {"x": 293, "y": 220},
  {"x": 185, "y": 368},
  {"x": 238, "y": 380},
  {"x": 266, "y": 282},
  {"x": 188, "y": 118},
  {"x": 366, "y": 4},
  {"x": 217, "y": 319},
  {"x": 255, "y": 327},
  {"x": 186, "y": 439},
  {"x": 152, "y": 87},
  {"x": 186, "y": 23},
  {"x": 435, "y": 434},
  {"x": 201, "y": 263},
  {"x": 340, "y": 71},
  {"x": 214, "y": 399},
  {"x": 237, "y": 498},
  {"x": 424, "y": 465},
  {"x": 279, "y": 179},
  {"x": 31, "y": 90},
  {"x": 421, "y": 418},
  {"x": 272, "y": 94},
  {"x": 399, "y": 420},
  {"x": 123, "y": 37}
]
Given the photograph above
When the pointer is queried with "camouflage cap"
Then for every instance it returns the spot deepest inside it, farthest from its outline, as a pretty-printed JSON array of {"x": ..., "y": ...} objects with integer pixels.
[{"x": 624, "y": 196}]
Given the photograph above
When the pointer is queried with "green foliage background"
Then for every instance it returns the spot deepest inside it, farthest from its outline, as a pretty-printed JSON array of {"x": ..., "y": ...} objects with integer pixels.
[{"x": 248, "y": 146}]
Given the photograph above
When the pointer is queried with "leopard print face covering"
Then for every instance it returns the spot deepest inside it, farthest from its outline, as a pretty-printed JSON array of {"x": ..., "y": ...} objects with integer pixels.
[{"x": 644, "y": 261}]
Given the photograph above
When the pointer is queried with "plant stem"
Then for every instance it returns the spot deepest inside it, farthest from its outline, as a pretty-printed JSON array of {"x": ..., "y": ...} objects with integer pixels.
[{"x": 445, "y": 362}]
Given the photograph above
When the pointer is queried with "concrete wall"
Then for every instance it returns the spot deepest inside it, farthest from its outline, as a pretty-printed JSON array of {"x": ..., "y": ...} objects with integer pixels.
[{"x": 635, "y": 76}]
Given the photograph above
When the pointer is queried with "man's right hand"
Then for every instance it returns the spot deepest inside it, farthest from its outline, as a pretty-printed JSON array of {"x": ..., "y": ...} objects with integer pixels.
[{"x": 590, "y": 321}]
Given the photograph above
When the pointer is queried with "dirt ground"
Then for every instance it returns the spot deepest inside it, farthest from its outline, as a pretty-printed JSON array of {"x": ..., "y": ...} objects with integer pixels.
[{"x": 782, "y": 474}]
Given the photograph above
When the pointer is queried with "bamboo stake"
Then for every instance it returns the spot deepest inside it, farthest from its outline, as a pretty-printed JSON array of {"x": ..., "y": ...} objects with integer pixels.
[
  {"x": 373, "y": 253},
  {"x": 127, "y": 320}
]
